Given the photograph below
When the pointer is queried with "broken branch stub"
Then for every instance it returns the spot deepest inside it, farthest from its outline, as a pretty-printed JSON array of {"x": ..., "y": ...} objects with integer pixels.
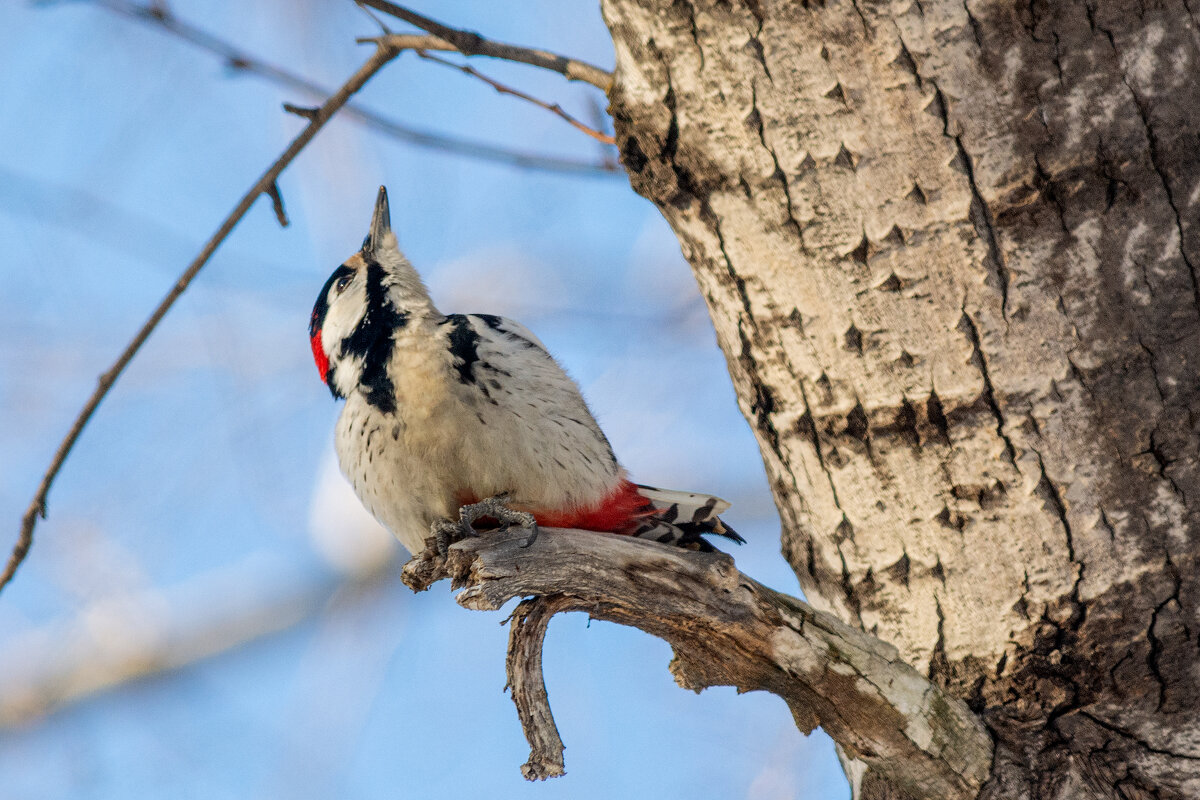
[
  {"x": 726, "y": 630},
  {"x": 526, "y": 636}
]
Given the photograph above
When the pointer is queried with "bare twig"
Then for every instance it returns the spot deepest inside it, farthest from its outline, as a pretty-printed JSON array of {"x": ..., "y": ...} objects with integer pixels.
[
  {"x": 554, "y": 108},
  {"x": 726, "y": 630},
  {"x": 300, "y": 111},
  {"x": 383, "y": 28},
  {"x": 108, "y": 645},
  {"x": 277, "y": 205},
  {"x": 472, "y": 44},
  {"x": 242, "y": 61},
  {"x": 382, "y": 55},
  {"x": 524, "y": 666}
]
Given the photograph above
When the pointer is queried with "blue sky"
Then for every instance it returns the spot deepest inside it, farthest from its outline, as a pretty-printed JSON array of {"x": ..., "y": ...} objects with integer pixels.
[{"x": 201, "y": 489}]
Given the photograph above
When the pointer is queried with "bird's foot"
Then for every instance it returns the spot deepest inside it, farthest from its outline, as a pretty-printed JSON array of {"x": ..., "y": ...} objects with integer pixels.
[{"x": 446, "y": 532}]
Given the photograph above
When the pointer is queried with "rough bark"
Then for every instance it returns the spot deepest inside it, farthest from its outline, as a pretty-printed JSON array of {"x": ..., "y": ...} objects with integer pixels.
[
  {"x": 726, "y": 629},
  {"x": 952, "y": 254}
]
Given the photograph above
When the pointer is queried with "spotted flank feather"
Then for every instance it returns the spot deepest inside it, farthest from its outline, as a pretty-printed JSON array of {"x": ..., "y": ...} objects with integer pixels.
[{"x": 683, "y": 519}]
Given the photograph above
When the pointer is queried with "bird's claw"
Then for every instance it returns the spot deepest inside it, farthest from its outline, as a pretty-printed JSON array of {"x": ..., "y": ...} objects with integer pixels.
[
  {"x": 495, "y": 508},
  {"x": 446, "y": 532}
]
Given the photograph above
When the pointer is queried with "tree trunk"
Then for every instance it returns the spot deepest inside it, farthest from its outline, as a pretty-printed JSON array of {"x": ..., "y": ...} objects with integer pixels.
[{"x": 952, "y": 254}]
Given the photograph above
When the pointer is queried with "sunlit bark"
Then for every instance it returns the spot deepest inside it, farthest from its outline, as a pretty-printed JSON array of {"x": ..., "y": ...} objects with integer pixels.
[{"x": 952, "y": 254}]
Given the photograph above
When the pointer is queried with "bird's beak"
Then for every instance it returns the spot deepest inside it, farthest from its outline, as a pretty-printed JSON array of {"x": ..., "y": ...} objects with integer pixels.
[{"x": 381, "y": 222}]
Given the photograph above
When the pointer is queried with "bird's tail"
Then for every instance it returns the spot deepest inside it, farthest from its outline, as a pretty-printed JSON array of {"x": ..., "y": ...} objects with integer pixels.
[{"x": 683, "y": 518}]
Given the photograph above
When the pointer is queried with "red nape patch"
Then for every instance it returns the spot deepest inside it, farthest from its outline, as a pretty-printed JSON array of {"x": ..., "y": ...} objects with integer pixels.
[
  {"x": 319, "y": 356},
  {"x": 620, "y": 512}
]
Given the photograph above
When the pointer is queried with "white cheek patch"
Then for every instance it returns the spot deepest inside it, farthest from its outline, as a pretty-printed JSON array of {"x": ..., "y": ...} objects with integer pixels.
[
  {"x": 345, "y": 313},
  {"x": 346, "y": 374}
]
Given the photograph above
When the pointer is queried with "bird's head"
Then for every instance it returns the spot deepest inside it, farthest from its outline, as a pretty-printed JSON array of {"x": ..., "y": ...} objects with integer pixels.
[{"x": 366, "y": 300}]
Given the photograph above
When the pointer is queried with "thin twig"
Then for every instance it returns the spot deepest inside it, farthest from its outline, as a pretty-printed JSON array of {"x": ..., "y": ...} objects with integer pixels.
[
  {"x": 384, "y": 30},
  {"x": 243, "y": 61},
  {"x": 300, "y": 111},
  {"x": 383, "y": 54},
  {"x": 472, "y": 44},
  {"x": 553, "y": 108},
  {"x": 277, "y": 205}
]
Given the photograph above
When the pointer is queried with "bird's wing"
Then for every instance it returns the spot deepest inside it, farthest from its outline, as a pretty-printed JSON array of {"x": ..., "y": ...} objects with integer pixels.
[
  {"x": 506, "y": 327},
  {"x": 527, "y": 394}
]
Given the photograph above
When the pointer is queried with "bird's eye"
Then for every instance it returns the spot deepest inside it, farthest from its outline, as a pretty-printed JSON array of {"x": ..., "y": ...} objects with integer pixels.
[{"x": 342, "y": 283}]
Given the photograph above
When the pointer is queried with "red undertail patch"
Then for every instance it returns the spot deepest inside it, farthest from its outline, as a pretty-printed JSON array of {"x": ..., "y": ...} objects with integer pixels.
[{"x": 619, "y": 512}]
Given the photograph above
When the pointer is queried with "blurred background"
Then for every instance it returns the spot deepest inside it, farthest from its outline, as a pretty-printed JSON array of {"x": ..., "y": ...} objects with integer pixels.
[{"x": 207, "y": 612}]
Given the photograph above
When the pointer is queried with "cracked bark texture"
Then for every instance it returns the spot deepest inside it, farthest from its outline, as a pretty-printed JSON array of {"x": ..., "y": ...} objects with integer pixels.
[{"x": 952, "y": 254}]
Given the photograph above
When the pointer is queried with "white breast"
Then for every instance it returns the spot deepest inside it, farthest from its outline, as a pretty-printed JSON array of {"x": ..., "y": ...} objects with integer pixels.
[{"x": 385, "y": 475}]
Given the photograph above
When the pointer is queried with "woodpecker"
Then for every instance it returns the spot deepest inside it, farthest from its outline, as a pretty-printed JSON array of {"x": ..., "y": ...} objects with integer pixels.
[{"x": 450, "y": 419}]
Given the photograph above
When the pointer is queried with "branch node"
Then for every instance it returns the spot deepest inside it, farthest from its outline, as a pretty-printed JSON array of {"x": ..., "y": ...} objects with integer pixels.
[
  {"x": 472, "y": 44},
  {"x": 307, "y": 112},
  {"x": 553, "y": 108},
  {"x": 277, "y": 204}
]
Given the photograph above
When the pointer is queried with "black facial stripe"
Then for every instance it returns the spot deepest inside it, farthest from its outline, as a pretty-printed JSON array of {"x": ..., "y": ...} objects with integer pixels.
[
  {"x": 360, "y": 342},
  {"x": 372, "y": 340},
  {"x": 464, "y": 346},
  {"x": 331, "y": 382},
  {"x": 321, "y": 308}
]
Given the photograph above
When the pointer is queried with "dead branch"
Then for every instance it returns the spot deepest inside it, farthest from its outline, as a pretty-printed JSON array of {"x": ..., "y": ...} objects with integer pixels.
[
  {"x": 524, "y": 666},
  {"x": 37, "y": 507},
  {"x": 470, "y": 43},
  {"x": 726, "y": 630},
  {"x": 242, "y": 61}
]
